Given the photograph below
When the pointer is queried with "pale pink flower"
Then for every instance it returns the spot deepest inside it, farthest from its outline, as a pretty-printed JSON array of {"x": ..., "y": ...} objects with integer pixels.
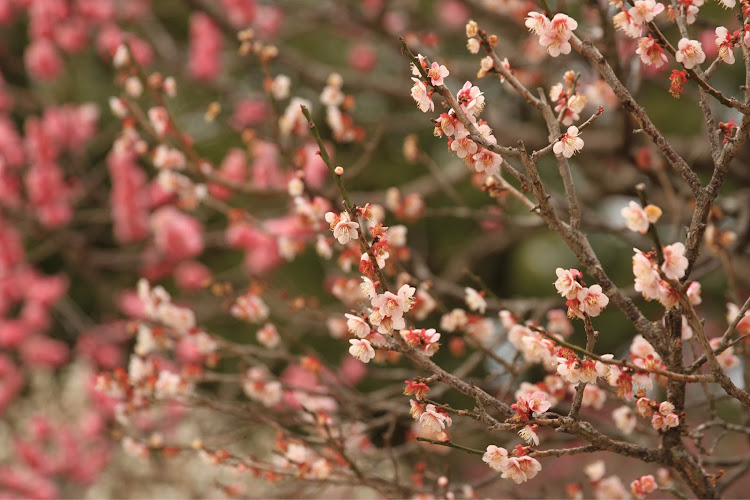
[
  {"x": 538, "y": 350},
  {"x": 666, "y": 407},
  {"x": 689, "y": 53},
  {"x": 434, "y": 419},
  {"x": 624, "y": 419},
  {"x": 557, "y": 33},
  {"x": 471, "y": 99},
  {"x": 624, "y": 22},
  {"x": 651, "y": 52},
  {"x": 592, "y": 300},
  {"x": 250, "y": 307},
  {"x": 536, "y": 22},
  {"x": 566, "y": 283},
  {"x": 362, "y": 350},
  {"x": 421, "y": 96},
  {"x": 368, "y": 288},
  {"x": 454, "y": 320},
  {"x": 610, "y": 488},
  {"x": 159, "y": 118},
  {"x": 436, "y": 73},
  {"x": 593, "y": 397},
  {"x": 693, "y": 293},
  {"x": 496, "y": 457},
  {"x": 725, "y": 44},
  {"x": 528, "y": 434},
  {"x": 641, "y": 348},
  {"x": 357, "y": 325},
  {"x": 464, "y": 147},
  {"x": 595, "y": 471},
  {"x": 569, "y": 144},
  {"x": 488, "y": 162},
  {"x": 675, "y": 263},
  {"x": 727, "y": 359},
  {"x": 646, "y": 276},
  {"x": 475, "y": 300},
  {"x": 644, "y": 11},
  {"x": 521, "y": 469},
  {"x": 643, "y": 486},
  {"x": 516, "y": 335},
  {"x": 536, "y": 402},
  {"x": 473, "y": 45},
  {"x": 637, "y": 219}
]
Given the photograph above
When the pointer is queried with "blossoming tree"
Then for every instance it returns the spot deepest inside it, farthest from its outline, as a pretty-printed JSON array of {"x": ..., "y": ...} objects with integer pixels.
[{"x": 210, "y": 276}]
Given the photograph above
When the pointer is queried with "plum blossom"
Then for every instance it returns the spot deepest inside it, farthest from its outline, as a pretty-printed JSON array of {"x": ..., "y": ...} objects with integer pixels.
[
  {"x": 434, "y": 419},
  {"x": 471, "y": 99},
  {"x": 464, "y": 146},
  {"x": 422, "y": 96},
  {"x": 537, "y": 22},
  {"x": 436, "y": 73},
  {"x": 647, "y": 280},
  {"x": 637, "y": 219},
  {"x": 624, "y": 419},
  {"x": 573, "y": 370},
  {"x": 727, "y": 359},
  {"x": 556, "y": 34},
  {"x": 521, "y": 469},
  {"x": 357, "y": 325},
  {"x": 569, "y": 144},
  {"x": 475, "y": 300},
  {"x": 651, "y": 52},
  {"x": 342, "y": 226},
  {"x": 362, "y": 350},
  {"x": 567, "y": 283},
  {"x": 496, "y": 457},
  {"x": 675, "y": 263},
  {"x": 725, "y": 44},
  {"x": 643, "y": 486},
  {"x": 689, "y": 53},
  {"x": 592, "y": 300},
  {"x": 487, "y": 161},
  {"x": 644, "y": 11},
  {"x": 624, "y": 22},
  {"x": 528, "y": 434}
]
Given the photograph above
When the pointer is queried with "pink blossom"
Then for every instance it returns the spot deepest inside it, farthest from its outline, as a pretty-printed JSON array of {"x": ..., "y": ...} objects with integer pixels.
[
  {"x": 357, "y": 325},
  {"x": 624, "y": 22},
  {"x": 205, "y": 47},
  {"x": 362, "y": 57},
  {"x": 422, "y": 96},
  {"x": 537, "y": 22},
  {"x": 42, "y": 60},
  {"x": 725, "y": 44},
  {"x": 567, "y": 283},
  {"x": 624, "y": 419},
  {"x": 436, "y": 73},
  {"x": 486, "y": 161},
  {"x": 521, "y": 469},
  {"x": 496, "y": 457},
  {"x": 644, "y": 11},
  {"x": 471, "y": 99},
  {"x": 592, "y": 300},
  {"x": 176, "y": 235},
  {"x": 643, "y": 486},
  {"x": 557, "y": 33},
  {"x": 361, "y": 349},
  {"x": 675, "y": 263},
  {"x": 646, "y": 276},
  {"x": 569, "y": 144},
  {"x": 434, "y": 419},
  {"x": 689, "y": 53}
]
